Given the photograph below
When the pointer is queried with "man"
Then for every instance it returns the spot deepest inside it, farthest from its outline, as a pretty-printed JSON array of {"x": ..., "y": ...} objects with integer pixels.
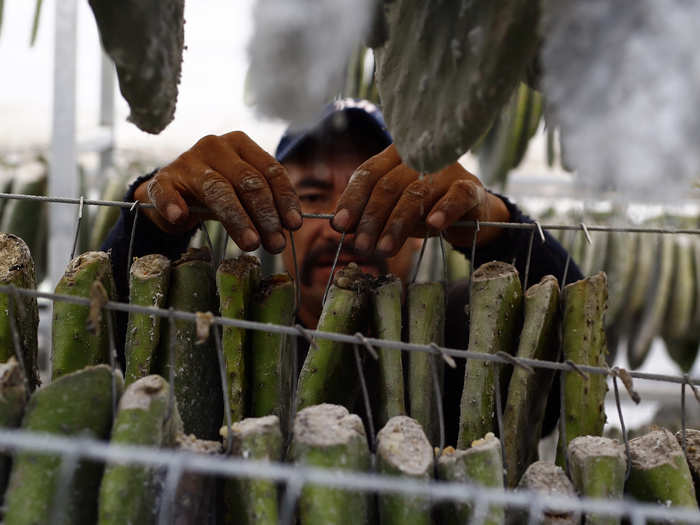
[{"x": 344, "y": 165}]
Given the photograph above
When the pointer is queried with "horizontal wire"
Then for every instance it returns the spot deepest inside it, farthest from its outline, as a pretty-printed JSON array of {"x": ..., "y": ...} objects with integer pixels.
[
  {"x": 508, "y": 225},
  {"x": 440, "y": 351},
  {"x": 83, "y": 447}
]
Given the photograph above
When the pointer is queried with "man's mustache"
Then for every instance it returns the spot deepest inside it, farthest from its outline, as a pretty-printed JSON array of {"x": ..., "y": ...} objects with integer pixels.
[{"x": 325, "y": 254}]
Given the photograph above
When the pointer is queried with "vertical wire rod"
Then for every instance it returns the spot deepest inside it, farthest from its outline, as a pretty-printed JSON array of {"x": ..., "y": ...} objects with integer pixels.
[
  {"x": 420, "y": 258},
  {"x": 529, "y": 258},
  {"x": 683, "y": 421},
  {"x": 112, "y": 359},
  {"x": 224, "y": 387},
  {"x": 77, "y": 228},
  {"x": 335, "y": 263},
  {"x": 535, "y": 513},
  {"x": 289, "y": 501},
  {"x": 171, "y": 360},
  {"x": 167, "y": 503},
  {"x": 59, "y": 503},
  {"x": 12, "y": 309},
  {"x": 562, "y": 415},
  {"x": 365, "y": 396},
  {"x": 438, "y": 399},
  {"x": 499, "y": 416},
  {"x": 297, "y": 281},
  {"x": 622, "y": 427},
  {"x": 472, "y": 264},
  {"x": 135, "y": 209},
  {"x": 566, "y": 270}
]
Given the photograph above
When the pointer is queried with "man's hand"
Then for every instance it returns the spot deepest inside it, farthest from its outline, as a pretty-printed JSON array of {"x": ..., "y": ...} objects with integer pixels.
[
  {"x": 386, "y": 202},
  {"x": 237, "y": 181}
]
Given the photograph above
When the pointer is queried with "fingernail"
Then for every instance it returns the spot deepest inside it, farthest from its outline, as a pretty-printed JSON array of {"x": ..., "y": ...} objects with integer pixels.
[
  {"x": 362, "y": 242},
  {"x": 436, "y": 220},
  {"x": 277, "y": 242},
  {"x": 173, "y": 213},
  {"x": 386, "y": 244},
  {"x": 293, "y": 219},
  {"x": 249, "y": 240},
  {"x": 341, "y": 220}
]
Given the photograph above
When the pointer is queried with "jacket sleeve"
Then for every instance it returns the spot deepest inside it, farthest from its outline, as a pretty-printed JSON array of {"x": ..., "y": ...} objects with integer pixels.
[
  {"x": 547, "y": 258},
  {"x": 148, "y": 238}
]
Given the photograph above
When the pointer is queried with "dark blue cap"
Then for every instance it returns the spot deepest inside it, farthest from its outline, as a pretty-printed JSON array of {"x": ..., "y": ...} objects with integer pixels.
[{"x": 346, "y": 116}]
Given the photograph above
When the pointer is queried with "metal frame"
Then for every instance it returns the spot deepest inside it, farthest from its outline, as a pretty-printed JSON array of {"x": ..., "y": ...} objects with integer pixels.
[{"x": 177, "y": 462}]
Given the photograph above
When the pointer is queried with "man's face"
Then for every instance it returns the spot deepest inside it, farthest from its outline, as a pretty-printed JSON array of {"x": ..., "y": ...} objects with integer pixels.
[{"x": 319, "y": 182}]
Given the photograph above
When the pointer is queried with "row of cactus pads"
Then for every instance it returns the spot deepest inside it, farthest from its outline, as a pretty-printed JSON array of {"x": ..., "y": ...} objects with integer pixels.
[{"x": 307, "y": 422}]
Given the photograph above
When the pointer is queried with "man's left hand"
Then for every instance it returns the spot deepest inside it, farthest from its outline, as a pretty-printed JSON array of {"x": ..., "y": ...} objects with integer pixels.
[{"x": 385, "y": 202}]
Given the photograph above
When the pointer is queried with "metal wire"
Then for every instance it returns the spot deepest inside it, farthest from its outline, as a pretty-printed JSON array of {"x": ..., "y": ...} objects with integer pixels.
[
  {"x": 365, "y": 396},
  {"x": 77, "y": 228},
  {"x": 92, "y": 449},
  {"x": 132, "y": 235},
  {"x": 625, "y": 439},
  {"x": 327, "y": 216},
  {"x": 347, "y": 338},
  {"x": 335, "y": 264}
]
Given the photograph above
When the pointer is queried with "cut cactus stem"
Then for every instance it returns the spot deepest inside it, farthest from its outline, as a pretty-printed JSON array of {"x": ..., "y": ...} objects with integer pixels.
[
  {"x": 129, "y": 493},
  {"x": 404, "y": 450},
  {"x": 528, "y": 392},
  {"x": 195, "y": 496},
  {"x": 597, "y": 466},
  {"x": 495, "y": 318},
  {"x": 692, "y": 454},
  {"x": 250, "y": 501},
  {"x": 236, "y": 280},
  {"x": 270, "y": 354},
  {"x": 324, "y": 377},
  {"x": 328, "y": 436},
  {"x": 386, "y": 310},
  {"x": 78, "y": 403},
  {"x": 547, "y": 479},
  {"x": 13, "y": 399},
  {"x": 74, "y": 346},
  {"x": 426, "y": 324},
  {"x": 583, "y": 333},
  {"x": 481, "y": 464},
  {"x": 17, "y": 269},
  {"x": 148, "y": 286},
  {"x": 197, "y": 380},
  {"x": 659, "y": 472}
]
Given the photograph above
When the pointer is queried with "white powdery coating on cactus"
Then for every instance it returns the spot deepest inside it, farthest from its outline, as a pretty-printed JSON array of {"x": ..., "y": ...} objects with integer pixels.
[
  {"x": 623, "y": 80},
  {"x": 403, "y": 444},
  {"x": 326, "y": 425},
  {"x": 299, "y": 51}
]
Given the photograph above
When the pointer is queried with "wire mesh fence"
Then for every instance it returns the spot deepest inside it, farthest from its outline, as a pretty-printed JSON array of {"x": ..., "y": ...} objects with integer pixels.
[{"x": 294, "y": 477}]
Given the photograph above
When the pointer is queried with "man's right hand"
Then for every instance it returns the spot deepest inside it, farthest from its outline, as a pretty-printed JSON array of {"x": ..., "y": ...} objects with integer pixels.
[{"x": 236, "y": 181}]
